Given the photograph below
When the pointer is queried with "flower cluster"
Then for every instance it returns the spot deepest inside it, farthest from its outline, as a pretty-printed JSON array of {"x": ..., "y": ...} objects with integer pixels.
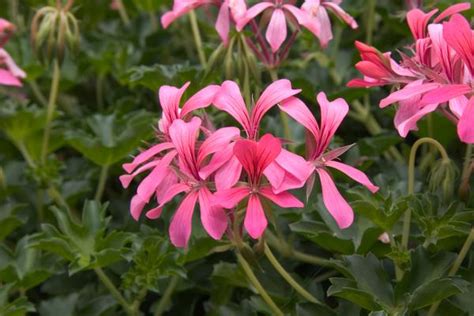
[
  {"x": 10, "y": 73},
  {"x": 435, "y": 75},
  {"x": 228, "y": 170},
  {"x": 313, "y": 15}
]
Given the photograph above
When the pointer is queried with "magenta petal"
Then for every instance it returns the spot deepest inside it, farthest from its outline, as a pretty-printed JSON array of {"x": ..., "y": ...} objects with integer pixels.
[
  {"x": 455, "y": 8},
  {"x": 337, "y": 206},
  {"x": 154, "y": 213},
  {"x": 466, "y": 123},
  {"x": 255, "y": 221},
  {"x": 146, "y": 155},
  {"x": 180, "y": 227},
  {"x": 283, "y": 199},
  {"x": 276, "y": 31},
  {"x": 354, "y": 174},
  {"x": 127, "y": 178},
  {"x": 136, "y": 206},
  {"x": 229, "y": 198},
  {"x": 173, "y": 191},
  {"x": 213, "y": 217}
]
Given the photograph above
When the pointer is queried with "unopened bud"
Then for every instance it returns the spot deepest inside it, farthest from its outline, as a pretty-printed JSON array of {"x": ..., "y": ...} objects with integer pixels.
[
  {"x": 384, "y": 238},
  {"x": 442, "y": 177},
  {"x": 53, "y": 31}
]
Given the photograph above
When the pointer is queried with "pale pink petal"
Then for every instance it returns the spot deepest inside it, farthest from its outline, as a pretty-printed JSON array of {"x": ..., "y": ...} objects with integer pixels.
[
  {"x": 181, "y": 224},
  {"x": 276, "y": 31},
  {"x": 408, "y": 114},
  {"x": 251, "y": 13},
  {"x": 229, "y": 198},
  {"x": 136, "y": 206},
  {"x": 255, "y": 221},
  {"x": 10, "y": 64},
  {"x": 337, "y": 206},
  {"x": 275, "y": 93},
  {"x": 217, "y": 141},
  {"x": 457, "y": 105},
  {"x": 466, "y": 123},
  {"x": 223, "y": 23},
  {"x": 146, "y": 155},
  {"x": 283, "y": 199},
  {"x": 341, "y": 13},
  {"x": 455, "y": 8},
  {"x": 296, "y": 108},
  {"x": 354, "y": 174},
  {"x": 411, "y": 90},
  {"x": 227, "y": 176},
  {"x": 332, "y": 114},
  {"x": 230, "y": 100},
  {"x": 202, "y": 99},
  {"x": 213, "y": 217}
]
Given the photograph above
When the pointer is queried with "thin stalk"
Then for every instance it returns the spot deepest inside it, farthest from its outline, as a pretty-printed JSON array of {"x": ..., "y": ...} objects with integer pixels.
[
  {"x": 114, "y": 291},
  {"x": 411, "y": 180},
  {"x": 165, "y": 299},
  {"x": 51, "y": 108},
  {"x": 283, "y": 116},
  {"x": 102, "y": 181},
  {"x": 260, "y": 289},
  {"x": 398, "y": 271},
  {"x": 370, "y": 21},
  {"x": 466, "y": 169},
  {"x": 197, "y": 37},
  {"x": 298, "y": 288},
  {"x": 324, "y": 276},
  {"x": 123, "y": 12},
  {"x": 38, "y": 94},
  {"x": 456, "y": 265}
]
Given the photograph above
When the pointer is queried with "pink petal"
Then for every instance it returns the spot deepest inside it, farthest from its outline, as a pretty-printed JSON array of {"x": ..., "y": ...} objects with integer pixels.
[
  {"x": 184, "y": 135},
  {"x": 353, "y": 173},
  {"x": 154, "y": 213},
  {"x": 276, "y": 31},
  {"x": 332, "y": 114},
  {"x": 8, "y": 79},
  {"x": 202, "y": 99},
  {"x": 180, "y": 227},
  {"x": 457, "y": 105},
  {"x": 173, "y": 191},
  {"x": 455, "y": 8},
  {"x": 411, "y": 90},
  {"x": 275, "y": 93},
  {"x": 337, "y": 206},
  {"x": 170, "y": 98},
  {"x": 251, "y": 13},
  {"x": 418, "y": 20},
  {"x": 268, "y": 149},
  {"x": 408, "y": 114},
  {"x": 275, "y": 174},
  {"x": 458, "y": 34},
  {"x": 169, "y": 180},
  {"x": 341, "y": 13},
  {"x": 465, "y": 124},
  {"x": 146, "y": 155},
  {"x": 136, "y": 206},
  {"x": 229, "y": 99},
  {"x": 127, "y": 178},
  {"x": 227, "y": 176},
  {"x": 223, "y": 22},
  {"x": 168, "y": 18},
  {"x": 283, "y": 199},
  {"x": 323, "y": 24},
  {"x": 217, "y": 141},
  {"x": 296, "y": 108},
  {"x": 229, "y": 198},
  {"x": 296, "y": 167},
  {"x": 255, "y": 221},
  {"x": 217, "y": 161},
  {"x": 213, "y": 217},
  {"x": 445, "y": 93}
]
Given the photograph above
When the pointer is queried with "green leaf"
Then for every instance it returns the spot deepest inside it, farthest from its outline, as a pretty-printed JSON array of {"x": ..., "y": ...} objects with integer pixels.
[
  {"x": 347, "y": 289},
  {"x": 59, "y": 305},
  {"x": 9, "y": 221}
]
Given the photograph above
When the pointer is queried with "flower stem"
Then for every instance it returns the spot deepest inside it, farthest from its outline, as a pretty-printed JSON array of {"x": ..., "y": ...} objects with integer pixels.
[
  {"x": 197, "y": 37},
  {"x": 37, "y": 92},
  {"x": 288, "y": 277},
  {"x": 466, "y": 170},
  {"x": 51, "y": 108},
  {"x": 123, "y": 12},
  {"x": 113, "y": 290},
  {"x": 164, "y": 301},
  {"x": 253, "y": 279},
  {"x": 411, "y": 180},
  {"x": 456, "y": 265},
  {"x": 102, "y": 181}
]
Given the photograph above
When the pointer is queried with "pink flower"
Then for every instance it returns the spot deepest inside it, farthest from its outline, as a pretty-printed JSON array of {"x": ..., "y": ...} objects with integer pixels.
[
  {"x": 437, "y": 77},
  {"x": 322, "y": 25},
  {"x": 288, "y": 170},
  {"x": 255, "y": 157},
  {"x": 320, "y": 136},
  {"x": 10, "y": 73},
  {"x": 6, "y": 30},
  {"x": 177, "y": 172},
  {"x": 228, "y": 10}
]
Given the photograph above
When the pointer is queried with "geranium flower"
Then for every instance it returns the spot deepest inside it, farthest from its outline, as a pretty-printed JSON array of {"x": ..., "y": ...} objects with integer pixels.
[
  {"x": 228, "y": 10},
  {"x": 438, "y": 76},
  {"x": 255, "y": 157},
  {"x": 319, "y": 138},
  {"x": 10, "y": 73}
]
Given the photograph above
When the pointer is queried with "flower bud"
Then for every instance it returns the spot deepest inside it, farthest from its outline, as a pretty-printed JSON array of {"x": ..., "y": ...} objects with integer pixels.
[
  {"x": 6, "y": 30},
  {"x": 53, "y": 31},
  {"x": 442, "y": 177}
]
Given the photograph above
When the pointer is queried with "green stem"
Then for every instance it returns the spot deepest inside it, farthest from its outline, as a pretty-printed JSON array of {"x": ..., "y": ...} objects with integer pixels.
[
  {"x": 288, "y": 277},
  {"x": 51, "y": 108},
  {"x": 283, "y": 116},
  {"x": 398, "y": 271},
  {"x": 197, "y": 37},
  {"x": 165, "y": 299},
  {"x": 123, "y": 13},
  {"x": 370, "y": 21},
  {"x": 113, "y": 290},
  {"x": 253, "y": 279},
  {"x": 38, "y": 94},
  {"x": 466, "y": 169},
  {"x": 456, "y": 265},
  {"x": 102, "y": 181},
  {"x": 411, "y": 180}
]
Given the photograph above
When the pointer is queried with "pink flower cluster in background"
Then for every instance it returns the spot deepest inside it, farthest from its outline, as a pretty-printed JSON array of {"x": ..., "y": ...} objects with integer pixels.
[
  {"x": 10, "y": 73},
  {"x": 228, "y": 170},
  {"x": 435, "y": 75},
  {"x": 312, "y": 15}
]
